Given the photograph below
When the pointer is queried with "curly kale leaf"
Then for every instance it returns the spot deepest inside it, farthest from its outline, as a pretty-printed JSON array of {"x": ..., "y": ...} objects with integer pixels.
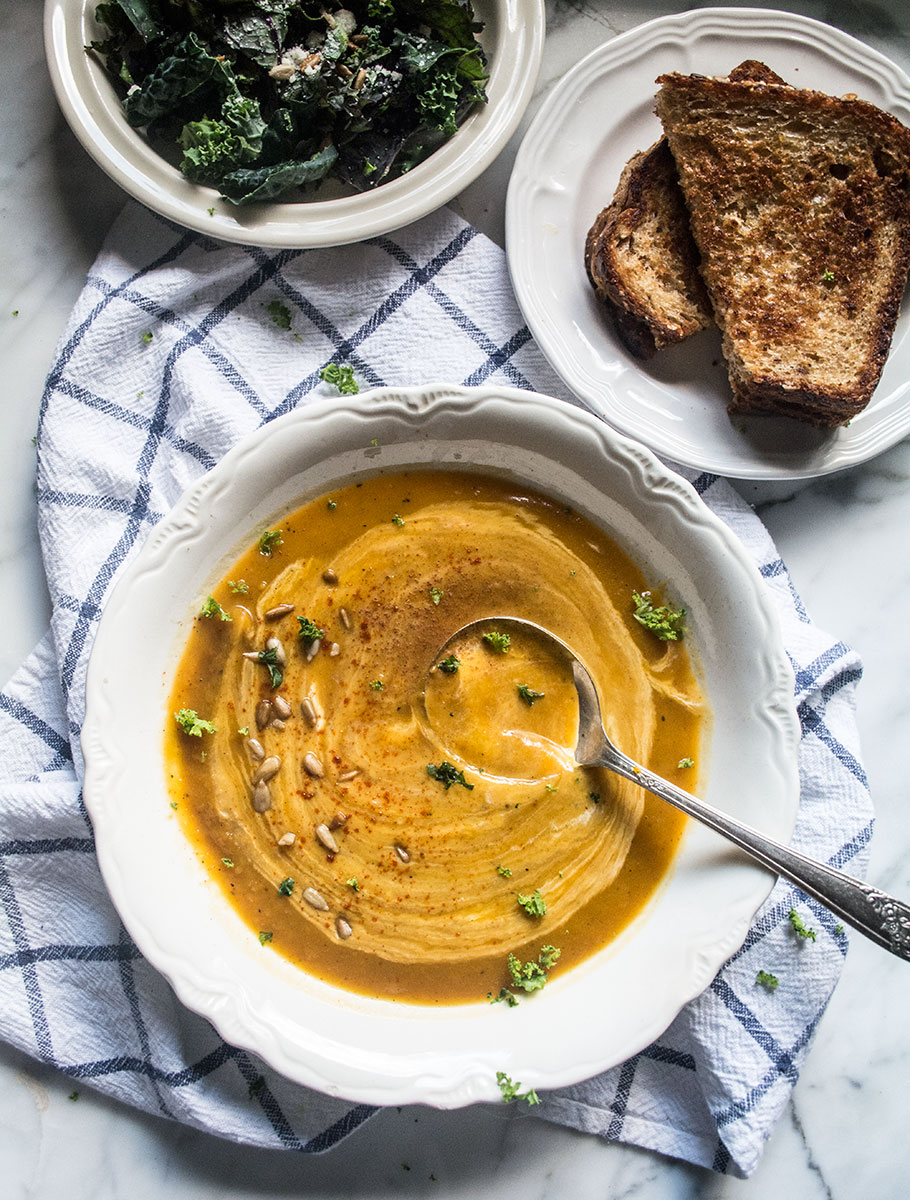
[
  {"x": 188, "y": 73},
  {"x": 268, "y": 183},
  {"x": 212, "y": 148}
]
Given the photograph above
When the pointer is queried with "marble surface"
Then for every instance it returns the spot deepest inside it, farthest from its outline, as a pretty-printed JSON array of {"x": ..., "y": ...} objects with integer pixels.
[{"x": 843, "y": 538}]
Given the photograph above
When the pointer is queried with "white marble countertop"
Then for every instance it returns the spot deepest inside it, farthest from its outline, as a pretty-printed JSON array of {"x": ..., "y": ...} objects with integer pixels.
[{"x": 843, "y": 538}]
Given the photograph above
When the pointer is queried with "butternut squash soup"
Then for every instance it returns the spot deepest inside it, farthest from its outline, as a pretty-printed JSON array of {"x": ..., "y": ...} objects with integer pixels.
[{"x": 409, "y": 823}]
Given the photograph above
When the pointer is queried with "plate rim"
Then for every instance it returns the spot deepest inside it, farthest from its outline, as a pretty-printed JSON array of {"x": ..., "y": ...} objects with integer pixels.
[
  {"x": 92, "y": 110},
  {"x": 849, "y": 446},
  {"x": 236, "y": 1019}
]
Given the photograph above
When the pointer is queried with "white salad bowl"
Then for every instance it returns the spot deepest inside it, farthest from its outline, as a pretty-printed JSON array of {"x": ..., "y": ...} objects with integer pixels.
[
  {"x": 512, "y": 38},
  {"x": 588, "y": 1018}
]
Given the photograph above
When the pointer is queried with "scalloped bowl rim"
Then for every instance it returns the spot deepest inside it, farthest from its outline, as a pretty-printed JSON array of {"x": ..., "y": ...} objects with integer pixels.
[{"x": 593, "y": 1016}]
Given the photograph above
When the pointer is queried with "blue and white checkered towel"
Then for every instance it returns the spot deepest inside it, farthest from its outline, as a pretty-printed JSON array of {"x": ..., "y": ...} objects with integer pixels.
[{"x": 175, "y": 350}]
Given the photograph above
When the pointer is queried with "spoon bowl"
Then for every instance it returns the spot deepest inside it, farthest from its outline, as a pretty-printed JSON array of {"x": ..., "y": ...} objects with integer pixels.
[{"x": 880, "y": 917}]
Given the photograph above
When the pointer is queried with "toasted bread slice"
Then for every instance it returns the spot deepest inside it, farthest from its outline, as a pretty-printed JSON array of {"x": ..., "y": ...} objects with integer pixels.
[
  {"x": 639, "y": 253},
  {"x": 799, "y": 204},
  {"x": 641, "y": 259}
]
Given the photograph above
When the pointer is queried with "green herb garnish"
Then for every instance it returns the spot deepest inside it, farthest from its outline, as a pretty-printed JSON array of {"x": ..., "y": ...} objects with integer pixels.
[
  {"x": 376, "y": 685},
  {"x": 664, "y": 622},
  {"x": 147, "y": 336},
  {"x": 505, "y": 872},
  {"x": 190, "y": 722},
  {"x": 212, "y": 608},
  {"x": 447, "y": 775},
  {"x": 528, "y": 694},
  {"x": 240, "y": 585},
  {"x": 534, "y": 905},
  {"x": 449, "y": 665},
  {"x": 498, "y": 641},
  {"x": 353, "y": 884},
  {"x": 269, "y": 541},
  {"x": 286, "y": 887},
  {"x": 269, "y": 659},
  {"x": 767, "y": 980},
  {"x": 280, "y": 314},
  {"x": 228, "y": 862},
  {"x": 685, "y": 763},
  {"x": 265, "y": 935},
  {"x": 827, "y": 276},
  {"x": 504, "y": 997},
  {"x": 397, "y": 519},
  {"x": 510, "y": 1091},
  {"x": 341, "y": 377},
  {"x": 436, "y": 594},
  {"x": 799, "y": 928},
  {"x": 309, "y": 631},
  {"x": 531, "y": 976}
]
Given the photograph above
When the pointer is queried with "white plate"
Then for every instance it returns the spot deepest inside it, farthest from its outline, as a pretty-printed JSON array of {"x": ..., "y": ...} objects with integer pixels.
[
  {"x": 586, "y": 1019},
  {"x": 567, "y": 169},
  {"x": 512, "y": 38}
]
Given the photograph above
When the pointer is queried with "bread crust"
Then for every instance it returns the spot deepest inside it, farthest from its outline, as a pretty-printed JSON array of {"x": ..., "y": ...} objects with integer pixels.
[
  {"x": 641, "y": 260},
  {"x": 799, "y": 204}
]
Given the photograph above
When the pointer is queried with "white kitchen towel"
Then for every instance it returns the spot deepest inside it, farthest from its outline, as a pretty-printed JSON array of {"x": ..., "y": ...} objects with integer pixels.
[{"x": 178, "y": 346}]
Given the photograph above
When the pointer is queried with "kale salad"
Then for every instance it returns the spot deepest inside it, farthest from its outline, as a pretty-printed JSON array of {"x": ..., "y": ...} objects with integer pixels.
[{"x": 258, "y": 98}]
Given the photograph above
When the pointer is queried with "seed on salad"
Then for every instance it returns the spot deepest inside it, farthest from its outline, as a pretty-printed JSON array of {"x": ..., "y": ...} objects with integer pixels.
[
  {"x": 257, "y": 753},
  {"x": 313, "y": 765},
  {"x": 402, "y": 853},
  {"x": 282, "y": 71},
  {"x": 342, "y": 928},
  {"x": 281, "y": 707},
  {"x": 252, "y": 655},
  {"x": 360, "y": 79},
  {"x": 324, "y": 835},
  {"x": 262, "y": 797},
  {"x": 267, "y": 769},
  {"x": 287, "y": 839},
  {"x": 329, "y": 577},
  {"x": 279, "y": 611},
  {"x": 275, "y": 644},
  {"x": 263, "y": 713},
  {"x": 314, "y": 900},
  {"x": 308, "y": 710},
  {"x": 338, "y": 820},
  {"x": 345, "y": 618},
  {"x": 348, "y": 776}
]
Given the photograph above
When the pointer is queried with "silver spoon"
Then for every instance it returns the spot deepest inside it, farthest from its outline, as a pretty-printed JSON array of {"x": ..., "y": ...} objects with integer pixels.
[{"x": 880, "y": 917}]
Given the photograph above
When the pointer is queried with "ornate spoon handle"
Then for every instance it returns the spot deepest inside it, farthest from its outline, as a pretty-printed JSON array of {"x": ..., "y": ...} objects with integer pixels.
[{"x": 879, "y": 916}]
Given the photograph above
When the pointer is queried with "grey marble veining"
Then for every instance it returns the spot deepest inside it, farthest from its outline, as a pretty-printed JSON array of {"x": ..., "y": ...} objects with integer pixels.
[{"x": 845, "y": 541}]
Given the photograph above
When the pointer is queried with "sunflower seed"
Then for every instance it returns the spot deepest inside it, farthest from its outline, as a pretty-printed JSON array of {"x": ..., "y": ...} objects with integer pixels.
[
  {"x": 308, "y": 710},
  {"x": 263, "y": 713},
  {"x": 338, "y": 820},
  {"x": 313, "y": 898},
  {"x": 279, "y": 611},
  {"x": 267, "y": 769},
  {"x": 281, "y": 707},
  {"x": 402, "y": 853},
  {"x": 345, "y": 618},
  {"x": 252, "y": 655},
  {"x": 274, "y": 643},
  {"x": 255, "y": 748},
  {"x": 313, "y": 649},
  {"x": 278, "y": 725},
  {"x": 312, "y": 765},
  {"x": 329, "y": 577},
  {"x": 348, "y": 775},
  {"x": 342, "y": 928},
  {"x": 324, "y": 835},
  {"x": 333, "y": 648},
  {"x": 262, "y": 797},
  {"x": 287, "y": 839}
]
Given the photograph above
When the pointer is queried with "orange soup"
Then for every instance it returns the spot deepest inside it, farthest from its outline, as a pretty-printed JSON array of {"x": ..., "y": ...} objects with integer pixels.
[{"x": 398, "y": 823}]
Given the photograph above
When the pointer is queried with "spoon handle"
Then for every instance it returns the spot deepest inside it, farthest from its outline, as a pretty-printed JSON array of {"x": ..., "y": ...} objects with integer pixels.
[{"x": 879, "y": 916}]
